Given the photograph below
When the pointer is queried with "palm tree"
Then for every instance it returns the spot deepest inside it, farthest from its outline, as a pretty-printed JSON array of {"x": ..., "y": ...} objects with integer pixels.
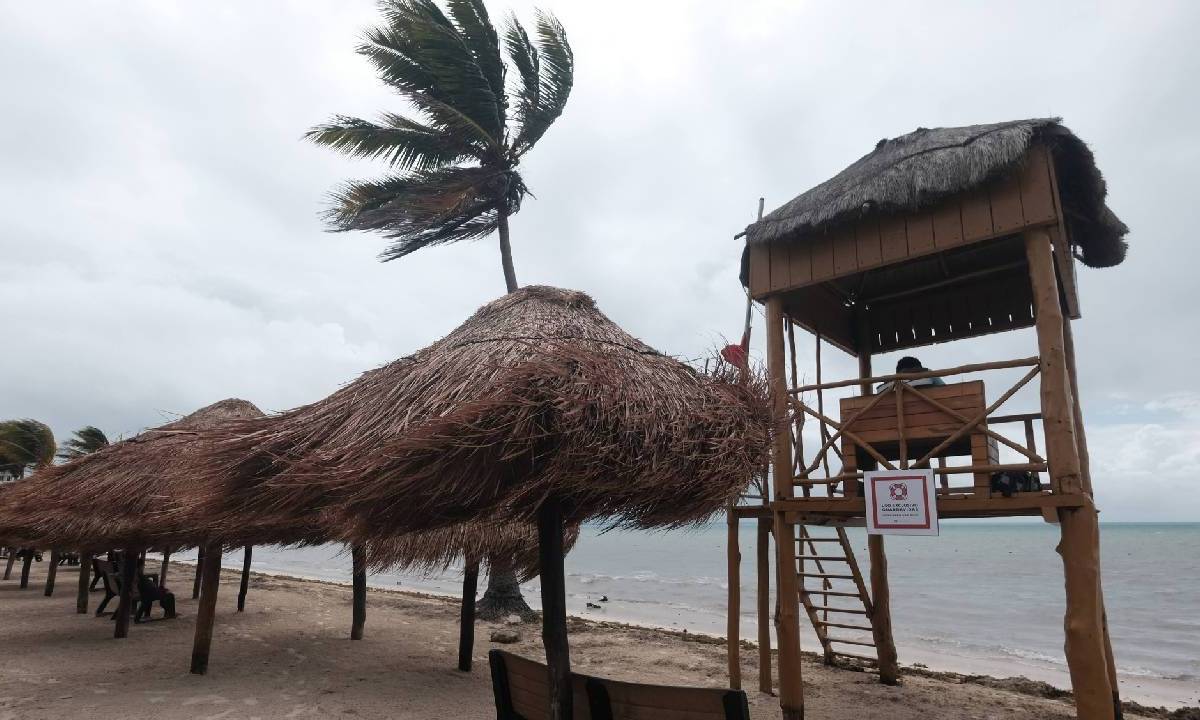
[
  {"x": 87, "y": 440},
  {"x": 24, "y": 444},
  {"x": 454, "y": 158}
]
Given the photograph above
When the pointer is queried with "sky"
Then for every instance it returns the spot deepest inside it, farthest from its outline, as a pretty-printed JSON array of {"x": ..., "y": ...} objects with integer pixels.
[{"x": 161, "y": 245}]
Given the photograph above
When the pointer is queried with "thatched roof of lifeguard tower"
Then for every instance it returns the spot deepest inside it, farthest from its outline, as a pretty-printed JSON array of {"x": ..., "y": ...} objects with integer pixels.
[
  {"x": 915, "y": 171},
  {"x": 537, "y": 395},
  {"x": 122, "y": 495}
]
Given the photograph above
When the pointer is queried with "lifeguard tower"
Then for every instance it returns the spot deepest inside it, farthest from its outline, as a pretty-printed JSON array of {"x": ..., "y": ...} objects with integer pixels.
[{"x": 940, "y": 235}]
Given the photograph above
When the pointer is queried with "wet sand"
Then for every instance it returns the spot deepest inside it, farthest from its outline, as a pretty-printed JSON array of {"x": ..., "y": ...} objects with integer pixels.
[{"x": 289, "y": 656}]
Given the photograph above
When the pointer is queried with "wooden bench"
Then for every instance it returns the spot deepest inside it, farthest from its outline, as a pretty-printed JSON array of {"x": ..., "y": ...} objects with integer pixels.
[
  {"x": 521, "y": 687},
  {"x": 925, "y": 427}
]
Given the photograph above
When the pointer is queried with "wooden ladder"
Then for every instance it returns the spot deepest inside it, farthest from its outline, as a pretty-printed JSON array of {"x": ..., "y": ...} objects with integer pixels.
[{"x": 842, "y": 610}]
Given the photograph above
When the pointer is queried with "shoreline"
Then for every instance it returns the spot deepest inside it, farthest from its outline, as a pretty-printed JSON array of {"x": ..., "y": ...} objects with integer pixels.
[{"x": 1157, "y": 700}]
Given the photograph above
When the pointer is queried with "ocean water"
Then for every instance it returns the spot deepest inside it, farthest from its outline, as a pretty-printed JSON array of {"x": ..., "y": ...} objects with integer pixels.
[{"x": 982, "y": 597}]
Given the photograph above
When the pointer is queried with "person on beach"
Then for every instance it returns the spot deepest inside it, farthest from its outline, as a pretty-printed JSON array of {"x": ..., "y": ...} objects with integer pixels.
[{"x": 906, "y": 365}]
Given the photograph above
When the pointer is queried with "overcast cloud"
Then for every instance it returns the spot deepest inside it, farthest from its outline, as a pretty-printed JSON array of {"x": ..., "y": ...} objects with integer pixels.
[{"x": 160, "y": 245}]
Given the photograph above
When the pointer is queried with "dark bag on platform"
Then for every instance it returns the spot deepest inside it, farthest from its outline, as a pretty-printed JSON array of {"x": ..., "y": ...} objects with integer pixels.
[{"x": 1007, "y": 482}]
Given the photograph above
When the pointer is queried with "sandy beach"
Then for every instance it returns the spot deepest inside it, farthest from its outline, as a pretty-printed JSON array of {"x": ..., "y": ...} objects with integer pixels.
[{"x": 288, "y": 656}]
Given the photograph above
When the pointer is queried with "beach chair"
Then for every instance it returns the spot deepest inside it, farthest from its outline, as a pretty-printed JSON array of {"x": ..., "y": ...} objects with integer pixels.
[
  {"x": 107, "y": 573},
  {"x": 520, "y": 686}
]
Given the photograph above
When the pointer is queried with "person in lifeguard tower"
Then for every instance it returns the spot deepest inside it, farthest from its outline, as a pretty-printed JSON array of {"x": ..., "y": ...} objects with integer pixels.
[{"x": 907, "y": 365}]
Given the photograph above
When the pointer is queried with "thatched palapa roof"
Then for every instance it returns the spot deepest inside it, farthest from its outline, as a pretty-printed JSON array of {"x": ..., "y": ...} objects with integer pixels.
[
  {"x": 915, "y": 171},
  {"x": 537, "y": 395},
  {"x": 122, "y": 495}
]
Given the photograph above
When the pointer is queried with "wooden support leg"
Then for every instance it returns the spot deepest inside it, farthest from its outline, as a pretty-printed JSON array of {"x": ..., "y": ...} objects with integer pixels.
[
  {"x": 12, "y": 558},
  {"x": 791, "y": 684},
  {"x": 26, "y": 564},
  {"x": 734, "y": 611},
  {"x": 125, "y": 600},
  {"x": 162, "y": 572},
  {"x": 245, "y": 586},
  {"x": 881, "y": 617},
  {"x": 466, "y": 618},
  {"x": 85, "y": 569},
  {"x": 764, "y": 605},
  {"x": 51, "y": 573},
  {"x": 206, "y": 614},
  {"x": 359, "y": 580},
  {"x": 554, "y": 610},
  {"x": 199, "y": 573},
  {"x": 1084, "y": 622}
]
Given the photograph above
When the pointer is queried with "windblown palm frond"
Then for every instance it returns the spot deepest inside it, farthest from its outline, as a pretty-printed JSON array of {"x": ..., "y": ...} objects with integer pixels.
[
  {"x": 456, "y": 158},
  {"x": 87, "y": 440},
  {"x": 24, "y": 444}
]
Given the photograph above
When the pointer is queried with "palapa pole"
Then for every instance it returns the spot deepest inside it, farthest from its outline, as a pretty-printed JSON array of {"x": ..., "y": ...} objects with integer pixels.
[
  {"x": 166, "y": 563},
  {"x": 466, "y": 618},
  {"x": 85, "y": 569},
  {"x": 199, "y": 572},
  {"x": 554, "y": 609},
  {"x": 881, "y": 593},
  {"x": 1085, "y": 470},
  {"x": 51, "y": 573},
  {"x": 125, "y": 602},
  {"x": 764, "y": 602},
  {"x": 1084, "y": 621},
  {"x": 734, "y": 611},
  {"x": 358, "y": 555},
  {"x": 206, "y": 614},
  {"x": 791, "y": 688},
  {"x": 26, "y": 564},
  {"x": 245, "y": 586},
  {"x": 12, "y": 558}
]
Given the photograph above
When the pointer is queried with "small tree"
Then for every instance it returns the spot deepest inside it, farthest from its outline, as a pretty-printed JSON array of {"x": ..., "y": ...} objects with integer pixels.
[
  {"x": 25, "y": 444},
  {"x": 455, "y": 158},
  {"x": 86, "y": 440}
]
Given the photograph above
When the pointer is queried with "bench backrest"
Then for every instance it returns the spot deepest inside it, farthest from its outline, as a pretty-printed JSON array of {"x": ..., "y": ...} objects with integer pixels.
[{"x": 521, "y": 689}]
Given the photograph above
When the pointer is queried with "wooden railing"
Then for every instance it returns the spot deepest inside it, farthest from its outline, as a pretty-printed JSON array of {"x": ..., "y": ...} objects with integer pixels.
[{"x": 972, "y": 427}]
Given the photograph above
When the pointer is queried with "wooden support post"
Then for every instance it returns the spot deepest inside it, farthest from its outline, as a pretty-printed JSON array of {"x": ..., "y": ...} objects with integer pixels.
[
  {"x": 359, "y": 580},
  {"x": 206, "y": 614},
  {"x": 466, "y": 616},
  {"x": 733, "y": 614},
  {"x": 199, "y": 572},
  {"x": 85, "y": 571},
  {"x": 245, "y": 586},
  {"x": 554, "y": 610},
  {"x": 26, "y": 564},
  {"x": 125, "y": 607},
  {"x": 881, "y": 593},
  {"x": 12, "y": 558},
  {"x": 1085, "y": 471},
  {"x": 791, "y": 684},
  {"x": 162, "y": 572},
  {"x": 1084, "y": 622},
  {"x": 51, "y": 573},
  {"x": 764, "y": 605}
]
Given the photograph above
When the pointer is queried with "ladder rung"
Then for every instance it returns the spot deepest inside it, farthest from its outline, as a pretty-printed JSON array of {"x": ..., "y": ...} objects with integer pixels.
[
  {"x": 849, "y": 642},
  {"x": 852, "y": 611},
  {"x": 864, "y": 658},
  {"x": 817, "y": 539},
  {"x": 835, "y": 593},
  {"x": 826, "y": 576},
  {"x": 868, "y": 628},
  {"x": 817, "y": 481},
  {"x": 830, "y": 558}
]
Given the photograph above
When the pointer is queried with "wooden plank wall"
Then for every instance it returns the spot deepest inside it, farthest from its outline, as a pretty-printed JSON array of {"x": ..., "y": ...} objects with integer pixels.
[{"x": 1023, "y": 199}]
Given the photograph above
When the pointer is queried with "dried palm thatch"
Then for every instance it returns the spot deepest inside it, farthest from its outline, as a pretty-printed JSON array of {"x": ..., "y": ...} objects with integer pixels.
[
  {"x": 915, "y": 171},
  {"x": 120, "y": 496},
  {"x": 538, "y": 395},
  {"x": 435, "y": 551}
]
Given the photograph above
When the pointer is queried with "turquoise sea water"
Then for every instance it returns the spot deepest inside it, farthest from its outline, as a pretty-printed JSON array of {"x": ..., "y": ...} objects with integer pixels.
[{"x": 982, "y": 597}]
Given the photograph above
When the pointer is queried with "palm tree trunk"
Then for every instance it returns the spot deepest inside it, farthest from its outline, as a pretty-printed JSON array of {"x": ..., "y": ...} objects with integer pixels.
[
  {"x": 510, "y": 274},
  {"x": 503, "y": 595}
]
